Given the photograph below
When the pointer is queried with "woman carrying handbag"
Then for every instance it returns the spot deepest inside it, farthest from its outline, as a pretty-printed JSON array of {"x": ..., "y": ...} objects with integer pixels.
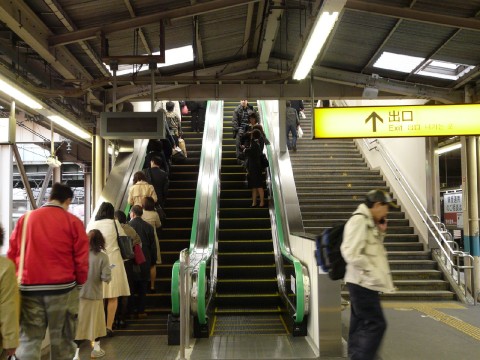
[{"x": 118, "y": 286}]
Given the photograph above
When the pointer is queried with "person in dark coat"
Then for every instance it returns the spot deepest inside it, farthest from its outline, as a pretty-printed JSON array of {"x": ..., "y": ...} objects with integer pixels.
[
  {"x": 147, "y": 235},
  {"x": 194, "y": 120},
  {"x": 202, "y": 109},
  {"x": 157, "y": 177},
  {"x": 240, "y": 124},
  {"x": 155, "y": 149},
  {"x": 297, "y": 105},
  {"x": 255, "y": 169}
]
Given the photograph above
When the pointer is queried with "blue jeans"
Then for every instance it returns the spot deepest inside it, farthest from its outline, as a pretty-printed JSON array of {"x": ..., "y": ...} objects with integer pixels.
[
  {"x": 293, "y": 129},
  {"x": 367, "y": 323}
]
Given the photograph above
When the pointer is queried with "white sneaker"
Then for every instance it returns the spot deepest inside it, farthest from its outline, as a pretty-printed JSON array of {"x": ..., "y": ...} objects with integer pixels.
[
  {"x": 95, "y": 354},
  {"x": 77, "y": 357}
]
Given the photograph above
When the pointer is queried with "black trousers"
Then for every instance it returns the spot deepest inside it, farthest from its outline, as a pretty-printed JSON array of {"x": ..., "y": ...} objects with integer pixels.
[{"x": 367, "y": 323}]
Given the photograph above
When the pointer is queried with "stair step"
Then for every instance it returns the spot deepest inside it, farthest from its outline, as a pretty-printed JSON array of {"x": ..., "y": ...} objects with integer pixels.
[{"x": 331, "y": 179}]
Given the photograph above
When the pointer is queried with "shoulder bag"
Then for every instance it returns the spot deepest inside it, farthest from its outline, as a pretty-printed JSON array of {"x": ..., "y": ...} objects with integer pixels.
[
  {"x": 125, "y": 245},
  {"x": 139, "y": 256},
  {"x": 21, "y": 262}
]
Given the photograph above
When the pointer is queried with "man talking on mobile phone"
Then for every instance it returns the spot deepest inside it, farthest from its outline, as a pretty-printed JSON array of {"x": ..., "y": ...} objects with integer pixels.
[{"x": 367, "y": 273}]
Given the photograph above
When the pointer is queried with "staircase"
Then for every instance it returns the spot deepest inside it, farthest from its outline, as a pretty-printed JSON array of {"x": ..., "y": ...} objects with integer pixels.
[
  {"x": 247, "y": 299},
  {"x": 332, "y": 179},
  {"x": 174, "y": 237}
]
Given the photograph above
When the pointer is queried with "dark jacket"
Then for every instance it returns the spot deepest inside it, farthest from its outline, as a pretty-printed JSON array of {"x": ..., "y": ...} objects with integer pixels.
[
  {"x": 240, "y": 119},
  {"x": 159, "y": 179},
  {"x": 297, "y": 105},
  {"x": 192, "y": 106},
  {"x": 147, "y": 235}
]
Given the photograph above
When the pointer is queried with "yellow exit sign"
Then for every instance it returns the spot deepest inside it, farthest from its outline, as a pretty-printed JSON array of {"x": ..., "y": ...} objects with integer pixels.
[{"x": 397, "y": 121}]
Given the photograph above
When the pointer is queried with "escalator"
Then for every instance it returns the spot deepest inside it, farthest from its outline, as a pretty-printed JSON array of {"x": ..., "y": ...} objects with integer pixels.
[
  {"x": 247, "y": 299},
  {"x": 175, "y": 235}
]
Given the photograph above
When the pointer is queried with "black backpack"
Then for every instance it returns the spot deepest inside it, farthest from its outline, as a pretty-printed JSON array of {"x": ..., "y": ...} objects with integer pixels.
[{"x": 328, "y": 254}]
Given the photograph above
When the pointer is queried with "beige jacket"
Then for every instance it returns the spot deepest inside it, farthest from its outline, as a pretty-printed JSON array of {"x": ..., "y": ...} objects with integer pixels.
[
  {"x": 140, "y": 190},
  {"x": 364, "y": 252},
  {"x": 9, "y": 305}
]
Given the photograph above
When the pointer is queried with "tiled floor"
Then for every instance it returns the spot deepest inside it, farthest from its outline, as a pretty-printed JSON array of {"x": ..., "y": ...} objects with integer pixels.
[
  {"x": 416, "y": 331},
  {"x": 252, "y": 347}
]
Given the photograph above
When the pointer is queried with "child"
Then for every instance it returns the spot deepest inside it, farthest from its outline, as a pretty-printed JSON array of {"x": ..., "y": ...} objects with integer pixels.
[{"x": 91, "y": 315}]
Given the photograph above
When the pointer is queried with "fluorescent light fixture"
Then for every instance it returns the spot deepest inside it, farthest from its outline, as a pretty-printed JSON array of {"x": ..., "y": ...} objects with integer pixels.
[
  {"x": 324, "y": 23},
  {"x": 69, "y": 126},
  {"x": 172, "y": 57},
  {"x": 18, "y": 95},
  {"x": 448, "y": 148},
  {"x": 432, "y": 68}
]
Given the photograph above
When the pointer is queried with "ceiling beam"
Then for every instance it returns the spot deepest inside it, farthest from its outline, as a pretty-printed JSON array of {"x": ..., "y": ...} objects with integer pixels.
[
  {"x": 415, "y": 90},
  {"x": 198, "y": 42},
  {"x": 70, "y": 26},
  {"x": 258, "y": 25},
  {"x": 27, "y": 25},
  {"x": 182, "y": 12},
  {"x": 414, "y": 15},
  {"x": 129, "y": 6},
  {"x": 248, "y": 27},
  {"x": 271, "y": 30}
]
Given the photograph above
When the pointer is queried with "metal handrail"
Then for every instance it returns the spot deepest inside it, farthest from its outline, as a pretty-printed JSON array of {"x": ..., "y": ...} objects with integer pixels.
[
  {"x": 281, "y": 231},
  {"x": 436, "y": 228}
]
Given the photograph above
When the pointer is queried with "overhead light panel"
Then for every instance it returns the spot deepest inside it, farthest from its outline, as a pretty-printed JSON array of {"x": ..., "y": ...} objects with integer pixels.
[
  {"x": 18, "y": 95},
  {"x": 448, "y": 148},
  {"x": 324, "y": 23},
  {"x": 69, "y": 126}
]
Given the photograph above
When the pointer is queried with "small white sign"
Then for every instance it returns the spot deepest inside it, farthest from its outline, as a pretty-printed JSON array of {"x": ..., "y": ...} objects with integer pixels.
[
  {"x": 4, "y": 128},
  {"x": 460, "y": 220},
  {"x": 293, "y": 283}
]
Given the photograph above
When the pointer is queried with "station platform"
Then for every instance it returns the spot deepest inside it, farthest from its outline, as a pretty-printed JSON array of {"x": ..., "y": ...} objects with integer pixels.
[{"x": 416, "y": 330}]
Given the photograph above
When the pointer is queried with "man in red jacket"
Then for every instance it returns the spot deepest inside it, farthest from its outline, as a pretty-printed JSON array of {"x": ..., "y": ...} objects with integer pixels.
[{"x": 55, "y": 262}]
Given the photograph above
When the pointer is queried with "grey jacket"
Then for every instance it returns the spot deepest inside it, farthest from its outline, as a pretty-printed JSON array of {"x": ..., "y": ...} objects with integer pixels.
[
  {"x": 364, "y": 252},
  {"x": 291, "y": 116},
  {"x": 98, "y": 271}
]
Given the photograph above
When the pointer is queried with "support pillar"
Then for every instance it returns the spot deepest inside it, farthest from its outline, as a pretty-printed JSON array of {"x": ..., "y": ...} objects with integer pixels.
[
  {"x": 98, "y": 164},
  {"x": 6, "y": 193},
  {"x": 470, "y": 168},
  {"x": 282, "y": 123},
  {"x": 7, "y": 137},
  {"x": 433, "y": 183},
  {"x": 87, "y": 191}
]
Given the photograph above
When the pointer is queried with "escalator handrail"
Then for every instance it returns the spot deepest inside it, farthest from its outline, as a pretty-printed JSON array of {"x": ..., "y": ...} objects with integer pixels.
[
  {"x": 281, "y": 225},
  {"x": 199, "y": 249},
  {"x": 211, "y": 231}
]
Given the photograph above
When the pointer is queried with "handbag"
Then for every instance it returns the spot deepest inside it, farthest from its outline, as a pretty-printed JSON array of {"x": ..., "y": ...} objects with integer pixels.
[
  {"x": 139, "y": 255},
  {"x": 181, "y": 145},
  {"x": 161, "y": 213},
  {"x": 125, "y": 245},
  {"x": 265, "y": 162},
  {"x": 300, "y": 132}
]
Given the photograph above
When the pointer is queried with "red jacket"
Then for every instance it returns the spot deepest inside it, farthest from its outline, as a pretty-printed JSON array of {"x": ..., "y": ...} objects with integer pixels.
[{"x": 56, "y": 251}]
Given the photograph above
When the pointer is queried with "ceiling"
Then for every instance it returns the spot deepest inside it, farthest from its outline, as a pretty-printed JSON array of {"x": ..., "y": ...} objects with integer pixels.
[{"x": 243, "y": 48}]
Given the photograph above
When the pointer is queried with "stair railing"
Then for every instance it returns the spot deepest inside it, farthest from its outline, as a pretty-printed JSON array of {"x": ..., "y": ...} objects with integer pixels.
[{"x": 446, "y": 250}]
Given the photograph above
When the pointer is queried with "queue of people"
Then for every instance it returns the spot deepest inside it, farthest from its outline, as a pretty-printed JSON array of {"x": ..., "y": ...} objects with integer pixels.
[{"x": 78, "y": 286}]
